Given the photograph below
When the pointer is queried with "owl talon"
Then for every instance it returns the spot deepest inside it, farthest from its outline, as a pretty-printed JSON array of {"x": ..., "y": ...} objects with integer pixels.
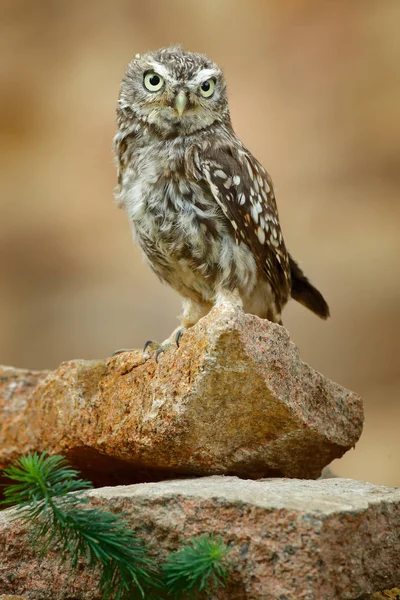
[
  {"x": 150, "y": 344},
  {"x": 160, "y": 351},
  {"x": 121, "y": 351},
  {"x": 178, "y": 335}
]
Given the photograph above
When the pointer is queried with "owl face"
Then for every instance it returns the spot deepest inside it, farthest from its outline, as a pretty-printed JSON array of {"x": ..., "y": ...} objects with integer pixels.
[{"x": 174, "y": 92}]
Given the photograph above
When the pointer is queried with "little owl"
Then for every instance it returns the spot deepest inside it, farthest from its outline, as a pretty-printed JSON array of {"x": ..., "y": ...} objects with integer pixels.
[{"x": 202, "y": 208}]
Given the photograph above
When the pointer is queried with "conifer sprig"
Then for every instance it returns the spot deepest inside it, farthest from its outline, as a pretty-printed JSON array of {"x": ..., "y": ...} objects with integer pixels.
[
  {"x": 198, "y": 566},
  {"x": 56, "y": 520},
  {"x": 40, "y": 478},
  {"x": 59, "y": 520}
]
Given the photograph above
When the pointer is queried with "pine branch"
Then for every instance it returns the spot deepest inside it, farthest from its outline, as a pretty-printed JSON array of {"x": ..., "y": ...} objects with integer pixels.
[
  {"x": 199, "y": 566},
  {"x": 59, "y": 520},
  {"x": 56, "y": 520},
  {"x": 41, "y": 477}
]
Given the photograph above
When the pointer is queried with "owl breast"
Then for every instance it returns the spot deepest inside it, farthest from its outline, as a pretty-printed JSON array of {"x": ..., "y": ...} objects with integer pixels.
[{"x": 183, "y": 233}]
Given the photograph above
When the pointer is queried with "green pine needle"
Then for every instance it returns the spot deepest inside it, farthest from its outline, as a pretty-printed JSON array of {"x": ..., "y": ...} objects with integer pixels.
[
  {"x": 59, "y": 520},
  {"x": 198, "y": 566},
  {"x": 41, "y": 477},
  {"x": 56, "y": 520}
]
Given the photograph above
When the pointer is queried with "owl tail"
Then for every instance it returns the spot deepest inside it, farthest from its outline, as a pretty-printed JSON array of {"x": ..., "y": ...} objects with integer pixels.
[{"x": 305, "y": 293}]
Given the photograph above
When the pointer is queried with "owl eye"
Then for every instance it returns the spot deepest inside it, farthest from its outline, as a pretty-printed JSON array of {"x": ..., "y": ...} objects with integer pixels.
[
  {"x": 153, "y": 82},
  {"x": 207, "y": 88}
]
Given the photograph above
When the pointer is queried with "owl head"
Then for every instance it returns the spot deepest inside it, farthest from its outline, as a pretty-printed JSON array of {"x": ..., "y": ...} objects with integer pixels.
[{"x": 173, "y": 92}]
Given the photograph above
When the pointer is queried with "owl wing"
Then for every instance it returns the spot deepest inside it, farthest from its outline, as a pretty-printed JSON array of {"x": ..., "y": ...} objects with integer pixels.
[
  {"x": 244, "y": 191},
  {"x": 123, "y": 148}
]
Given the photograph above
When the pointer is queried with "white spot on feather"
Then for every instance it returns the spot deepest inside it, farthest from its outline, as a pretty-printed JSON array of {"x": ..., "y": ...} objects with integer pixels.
[
  {"x": 254, "y": 213},
  {"x": 228, "y": 183},
  {"x": 261, "y": 235},
  {"x": 263, "y": 224}
]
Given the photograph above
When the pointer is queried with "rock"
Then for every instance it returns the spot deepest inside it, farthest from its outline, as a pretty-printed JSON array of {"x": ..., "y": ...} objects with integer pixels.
[
  {"x": 290, "y": 539},
  {"x": 16, "y": 387},
  {"x": 234, "y": 398}
]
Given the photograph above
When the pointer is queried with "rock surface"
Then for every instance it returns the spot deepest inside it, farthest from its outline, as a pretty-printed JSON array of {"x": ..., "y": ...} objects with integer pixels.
[
  {"x": 16, "y": 388},
  {"x": 330, "y": 539},
  {"x": 234, "y": 398}
]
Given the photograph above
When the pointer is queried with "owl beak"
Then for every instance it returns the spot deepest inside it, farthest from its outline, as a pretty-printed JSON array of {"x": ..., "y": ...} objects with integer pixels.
[{"x": 180, "y": 103}]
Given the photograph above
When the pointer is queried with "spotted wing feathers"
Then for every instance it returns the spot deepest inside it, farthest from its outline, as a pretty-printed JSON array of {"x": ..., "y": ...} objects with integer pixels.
[{"x": 243, "y": 190}]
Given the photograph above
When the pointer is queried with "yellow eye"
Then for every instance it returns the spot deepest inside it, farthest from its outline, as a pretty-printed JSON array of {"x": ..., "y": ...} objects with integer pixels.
[
  {"x": 153, "y": 82},
  {"x": 207, "y": 88}
]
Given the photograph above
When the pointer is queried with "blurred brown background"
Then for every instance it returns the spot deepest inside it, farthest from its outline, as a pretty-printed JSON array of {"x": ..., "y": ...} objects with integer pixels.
[{"x": 315, "y": 94}]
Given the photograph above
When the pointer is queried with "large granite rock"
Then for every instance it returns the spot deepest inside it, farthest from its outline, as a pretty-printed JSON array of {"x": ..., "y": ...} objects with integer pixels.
[
  {"x": 234, "y": 398},
  {"x": 332, "y": 539}
]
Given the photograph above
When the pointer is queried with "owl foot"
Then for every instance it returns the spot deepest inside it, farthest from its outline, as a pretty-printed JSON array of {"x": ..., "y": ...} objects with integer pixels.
[
  {"x": 173, "y": 340},
  {"x": 150, "y": 345}
]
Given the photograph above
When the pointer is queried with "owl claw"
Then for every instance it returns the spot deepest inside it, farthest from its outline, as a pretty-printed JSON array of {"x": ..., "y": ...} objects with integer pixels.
[
  {"x": 121, "y": 351},
  {"x": 150, "y": 344},
  {"x": 178, "y": 335},
  {"x": 160, "y": 351}
]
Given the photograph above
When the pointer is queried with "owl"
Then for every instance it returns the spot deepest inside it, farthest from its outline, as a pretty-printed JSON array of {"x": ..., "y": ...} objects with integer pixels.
[{"x": 202, "y": 208}]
